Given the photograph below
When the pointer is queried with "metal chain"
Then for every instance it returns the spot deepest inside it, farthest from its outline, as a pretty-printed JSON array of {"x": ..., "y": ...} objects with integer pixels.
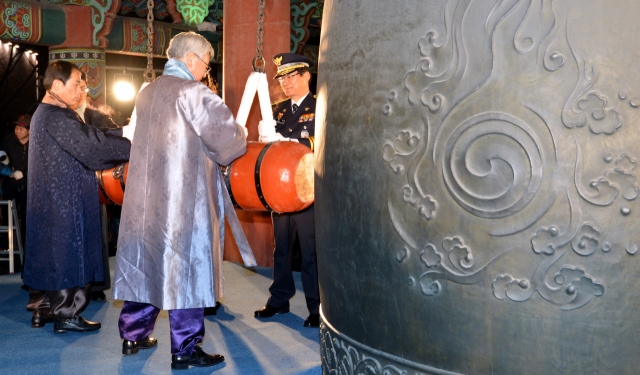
[
  {"x": 149, "y": 74},
  {"x": 259, "y": 58}
]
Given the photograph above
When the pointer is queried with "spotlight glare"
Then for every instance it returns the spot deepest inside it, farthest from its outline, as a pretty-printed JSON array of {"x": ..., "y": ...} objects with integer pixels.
[{"x": 124, "y": 91}]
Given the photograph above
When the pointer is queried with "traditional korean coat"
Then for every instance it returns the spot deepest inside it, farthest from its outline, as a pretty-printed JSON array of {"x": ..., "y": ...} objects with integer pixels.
[
  {"x": 171, "y": 229},
  {"x": 63, "y": 239}
]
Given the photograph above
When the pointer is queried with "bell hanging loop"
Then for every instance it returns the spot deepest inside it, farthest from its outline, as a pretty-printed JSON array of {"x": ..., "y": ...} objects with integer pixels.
[
  {"x": 149, "y": 75},
  {"x": 259, "y": 59},
  {"x": 258, "y": 64}
]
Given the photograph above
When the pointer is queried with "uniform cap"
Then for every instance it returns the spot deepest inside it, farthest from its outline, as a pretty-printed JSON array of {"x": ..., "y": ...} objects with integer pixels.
[{"x": 288, "y": 62}]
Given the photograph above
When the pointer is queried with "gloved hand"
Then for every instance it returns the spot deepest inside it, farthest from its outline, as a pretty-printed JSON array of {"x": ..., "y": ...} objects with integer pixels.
[
  {"x": 267, "y": 129},
  {"x": 273, "y": 138},
  {"x": 17, "y": 175}
]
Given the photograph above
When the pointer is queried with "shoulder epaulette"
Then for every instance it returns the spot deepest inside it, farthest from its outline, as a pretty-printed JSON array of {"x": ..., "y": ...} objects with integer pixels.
[{"x": 273, "y": 104}]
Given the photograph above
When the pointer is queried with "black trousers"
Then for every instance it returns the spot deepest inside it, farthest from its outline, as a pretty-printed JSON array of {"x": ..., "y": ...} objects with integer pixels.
[
  {"x": 285, "y": 229},
  {"x": 106, "y": 284},
  {"x": 64, "y": 304}
]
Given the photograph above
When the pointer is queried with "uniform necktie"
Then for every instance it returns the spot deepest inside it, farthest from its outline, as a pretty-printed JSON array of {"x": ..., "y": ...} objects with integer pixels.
[{"x": 295, "y": 107}]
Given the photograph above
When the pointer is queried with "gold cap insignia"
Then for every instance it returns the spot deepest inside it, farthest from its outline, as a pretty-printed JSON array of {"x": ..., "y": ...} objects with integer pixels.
[{"x": 278, "y": 60}]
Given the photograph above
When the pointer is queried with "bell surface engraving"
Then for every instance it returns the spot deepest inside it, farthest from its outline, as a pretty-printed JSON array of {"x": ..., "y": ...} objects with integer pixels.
[{"x": 477, "y": 188}]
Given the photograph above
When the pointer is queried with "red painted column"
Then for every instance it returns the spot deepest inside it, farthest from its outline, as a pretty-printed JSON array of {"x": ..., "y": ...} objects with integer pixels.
[{"x": 240, "y": 27}]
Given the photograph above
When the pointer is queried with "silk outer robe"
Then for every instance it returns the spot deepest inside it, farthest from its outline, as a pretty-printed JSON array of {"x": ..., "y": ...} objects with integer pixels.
[
  {"x": 170, "y": 240},
  {"x": 63, "y": 239}
]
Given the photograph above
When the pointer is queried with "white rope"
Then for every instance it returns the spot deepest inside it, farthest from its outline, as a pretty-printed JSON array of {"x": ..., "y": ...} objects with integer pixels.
[
  {"x": 264, "y": 98},
  {"x": 256, "y": 82}
]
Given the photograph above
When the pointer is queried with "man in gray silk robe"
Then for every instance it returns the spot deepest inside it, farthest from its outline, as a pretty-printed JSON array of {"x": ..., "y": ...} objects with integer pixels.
[{"x": 171, "y": 230}]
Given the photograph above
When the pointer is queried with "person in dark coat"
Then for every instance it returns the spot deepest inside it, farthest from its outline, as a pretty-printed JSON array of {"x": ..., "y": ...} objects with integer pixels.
[
  {"x": 92, "y": 116},
  {"x": 294, "y": 121},
  {"x": 16, "y": 145},
  {"x": 103, "y": 122},
  {"x": 63, "y": 217}
]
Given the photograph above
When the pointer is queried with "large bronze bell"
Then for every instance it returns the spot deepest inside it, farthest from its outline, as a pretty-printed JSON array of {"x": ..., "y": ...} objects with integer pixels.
[{"x": 477, "y": 193}]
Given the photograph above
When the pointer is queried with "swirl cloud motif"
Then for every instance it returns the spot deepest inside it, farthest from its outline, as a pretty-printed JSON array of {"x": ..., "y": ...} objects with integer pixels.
[{"x": 492, "y": 165}]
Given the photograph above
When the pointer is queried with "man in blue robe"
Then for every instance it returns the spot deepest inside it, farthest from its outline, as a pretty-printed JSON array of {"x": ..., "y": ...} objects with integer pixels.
[{"x": 63, "y": 238}]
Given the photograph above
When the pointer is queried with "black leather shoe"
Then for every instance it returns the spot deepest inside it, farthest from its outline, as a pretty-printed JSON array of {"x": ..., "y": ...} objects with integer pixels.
[
  {"x": 42, "y": 317},
  {"x": 132, "y": 347},
  {"x": 312, "y": 321},
  {"x": 78, "y": 324},
  {"x": 197, "y": 358},
  {"x": 208, "y": 311},
  {"x": 98, "y": 296},
  {"x": 269, "y": 311}
]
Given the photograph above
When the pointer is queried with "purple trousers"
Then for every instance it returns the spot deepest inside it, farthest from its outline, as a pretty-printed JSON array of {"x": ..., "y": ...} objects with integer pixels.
[{"x": 186, "y": 325}]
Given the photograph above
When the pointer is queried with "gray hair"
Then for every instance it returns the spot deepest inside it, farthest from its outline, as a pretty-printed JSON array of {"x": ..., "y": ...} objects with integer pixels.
[{"x": 183, "y": 43}]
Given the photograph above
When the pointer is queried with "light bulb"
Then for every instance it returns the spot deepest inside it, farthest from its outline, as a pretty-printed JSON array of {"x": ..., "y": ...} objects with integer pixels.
[{"x": 124, "y": 91}]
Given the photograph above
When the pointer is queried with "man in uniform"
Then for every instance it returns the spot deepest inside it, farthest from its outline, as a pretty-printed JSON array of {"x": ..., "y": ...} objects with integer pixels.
[{"x": 295, "y": 122}]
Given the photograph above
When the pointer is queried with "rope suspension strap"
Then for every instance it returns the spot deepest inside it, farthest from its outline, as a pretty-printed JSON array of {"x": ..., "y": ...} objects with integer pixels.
[
  {"x": 149, "y": 74},
  {"x": 257, "y": 81},
  {"x": 259, "y": 59}
]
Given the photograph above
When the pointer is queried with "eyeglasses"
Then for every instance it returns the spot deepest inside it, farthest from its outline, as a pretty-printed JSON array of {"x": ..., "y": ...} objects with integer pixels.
[
  {"x": 287, "y": 77},
  {"x": 207, "y": 65}
]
